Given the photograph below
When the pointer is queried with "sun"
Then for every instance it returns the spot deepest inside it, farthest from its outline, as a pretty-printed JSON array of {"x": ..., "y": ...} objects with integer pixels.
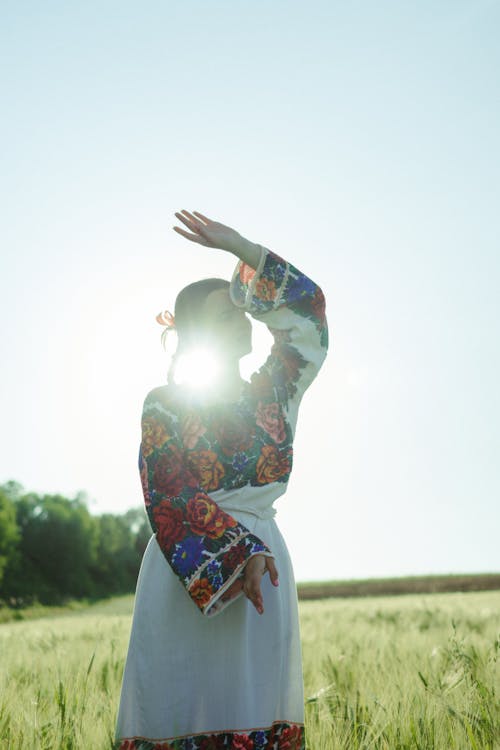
[
  {"x": 197, "y": 368},
  {"x": 200, "y": 367}
]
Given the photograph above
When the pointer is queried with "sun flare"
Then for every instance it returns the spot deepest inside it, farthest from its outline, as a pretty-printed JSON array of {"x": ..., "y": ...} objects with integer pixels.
[{"x": 198, "y": 368}]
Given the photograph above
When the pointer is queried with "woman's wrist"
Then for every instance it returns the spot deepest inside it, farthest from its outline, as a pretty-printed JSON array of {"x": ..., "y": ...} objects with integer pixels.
[{"x": 248, "y": 252}]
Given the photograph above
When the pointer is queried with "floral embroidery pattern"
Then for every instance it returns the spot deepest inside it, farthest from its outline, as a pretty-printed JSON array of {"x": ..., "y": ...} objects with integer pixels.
[
  {"x": 153, "y": 436},
  {"x": 189, "y": 450},
  {"x": 265, "y": 289},
  {"x": 270, "y": 418},
  {"x": 292, "y": 288},
  {"x": 170, "y": 474},
  {"x": 233, "y": 432},
  {"x": 272, "y": 464},
  {"x": 169, "y": 522},
  {"x": 279, "y": 284},
  {"x": 205, "y": 516},
  {"x": 281, "y": 736},
  {"x": 192, "y": 428},
  {"x": 207, "y": 466},
  {"x": 191, "y": 529}
]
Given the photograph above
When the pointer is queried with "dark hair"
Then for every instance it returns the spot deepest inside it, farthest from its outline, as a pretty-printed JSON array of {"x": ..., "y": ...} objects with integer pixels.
[{"x": 188, "y": 314}]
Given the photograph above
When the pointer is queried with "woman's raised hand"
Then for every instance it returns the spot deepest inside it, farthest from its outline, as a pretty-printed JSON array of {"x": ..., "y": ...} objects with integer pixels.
[
  {"x": 214, "y": 234},
  {"x": 254, "y": 570},
  {"x": 209, "y": 233}
]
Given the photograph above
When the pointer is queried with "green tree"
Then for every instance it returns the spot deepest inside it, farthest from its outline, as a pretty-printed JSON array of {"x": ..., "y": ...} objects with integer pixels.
[
  {"x": 117, "y": 561},
  {"x": 57, "y": 549},
  {"x": 9, "y": 532},
  {"x": 140, "y": 527},
  {"x": 52, "y": 548}
]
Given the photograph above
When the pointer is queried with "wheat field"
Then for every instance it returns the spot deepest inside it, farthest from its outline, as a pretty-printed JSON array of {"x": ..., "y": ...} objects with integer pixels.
[{"x": 386, "y": 673}]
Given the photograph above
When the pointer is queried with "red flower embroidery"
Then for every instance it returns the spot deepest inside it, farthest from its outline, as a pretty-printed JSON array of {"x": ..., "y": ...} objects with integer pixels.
[
  {"x": 234, "y": 557},
  {"x": 290, "y": 738},
  {"x": 265, "y": 289},
  {"x": 144, "y": 482},
  {"x": 207, "y": 467},
  {"x": 246, "y": 273},
  {"x": 242, "y": 742},
  {"x": 201, "y": 591},
  {"x": 262, "y": 384},
  {"x": 170, "y": 475},
  {"x": 170, "y": 524},
  {"x": 269, "y": 417},
  {"x": 290, "y": 360},
  {"x": 318, "y": 306},
  {"x": 205, "y": 516},
  {"x": 271, "y": 464},
  {"x": 154, "y": 435},
  {"x": 233, "y": 433}
]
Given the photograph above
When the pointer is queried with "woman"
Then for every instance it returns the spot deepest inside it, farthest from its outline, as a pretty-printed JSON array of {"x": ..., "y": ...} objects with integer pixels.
[{"x": 214, "y": 659}]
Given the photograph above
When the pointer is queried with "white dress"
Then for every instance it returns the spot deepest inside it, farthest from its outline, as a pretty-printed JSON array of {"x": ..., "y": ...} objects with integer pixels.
[{"x": 205, "y": 671}]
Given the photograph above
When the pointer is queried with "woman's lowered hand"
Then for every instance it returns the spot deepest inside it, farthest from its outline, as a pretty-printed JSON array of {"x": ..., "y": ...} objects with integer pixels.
[{"x": 255, "y": 568}]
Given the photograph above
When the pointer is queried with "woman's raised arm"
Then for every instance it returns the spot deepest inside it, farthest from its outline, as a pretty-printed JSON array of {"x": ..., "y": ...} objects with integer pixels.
[{"x": 214, "y": 234}]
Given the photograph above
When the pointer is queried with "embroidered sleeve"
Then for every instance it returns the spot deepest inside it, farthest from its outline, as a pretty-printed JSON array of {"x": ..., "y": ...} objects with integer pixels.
[
  {"x": 293, "y": 308},
  {"x": 205, "y": 547}
]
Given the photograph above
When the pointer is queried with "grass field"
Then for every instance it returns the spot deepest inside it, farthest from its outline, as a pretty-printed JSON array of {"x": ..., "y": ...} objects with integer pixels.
[{"x": 416, "y": 671}]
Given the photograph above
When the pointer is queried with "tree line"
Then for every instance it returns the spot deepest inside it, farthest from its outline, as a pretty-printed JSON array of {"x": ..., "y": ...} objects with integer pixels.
[{"x": 53, "y": 549}]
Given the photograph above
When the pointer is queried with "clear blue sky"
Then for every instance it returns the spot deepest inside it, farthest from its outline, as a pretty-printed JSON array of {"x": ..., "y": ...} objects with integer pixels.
[{"x": 361, "y": 141}]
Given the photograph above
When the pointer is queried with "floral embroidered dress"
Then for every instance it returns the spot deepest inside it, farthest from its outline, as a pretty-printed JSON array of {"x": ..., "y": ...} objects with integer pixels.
[{"x": 205, "y": 671}]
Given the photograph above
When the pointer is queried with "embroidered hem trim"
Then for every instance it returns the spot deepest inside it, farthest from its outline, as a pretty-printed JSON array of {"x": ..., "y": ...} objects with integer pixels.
[{"x": 281, "y": 735}]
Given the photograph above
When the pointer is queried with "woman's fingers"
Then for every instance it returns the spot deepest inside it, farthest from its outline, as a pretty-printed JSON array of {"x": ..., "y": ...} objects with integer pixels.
[
  {"x": 205, "y": 218},
  {"x": 211, "y": 234},
  {"x": 192, "y": 219},
  {"x": 193, "y": 237},
  {"x": 254, "y": 570},
  {"x": 192, "y": 223},
  {"x": 273, "y": 572},
  {"x": 253, "y": 592}
]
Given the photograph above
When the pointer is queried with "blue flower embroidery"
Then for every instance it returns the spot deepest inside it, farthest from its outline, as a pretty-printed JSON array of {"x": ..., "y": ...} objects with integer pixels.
[
  {"x": 213, "y": 566},
  {"x": 256, "y": 547},
  {"x": 217, "y": 582},
  {"x": 240, "y": 460},
  {"x": 301, "y": 286},
  {"x": 188, "y": 555}
]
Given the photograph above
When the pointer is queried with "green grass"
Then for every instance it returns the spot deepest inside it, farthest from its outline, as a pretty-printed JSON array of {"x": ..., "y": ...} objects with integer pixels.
[{"x": 417, "y": 671}]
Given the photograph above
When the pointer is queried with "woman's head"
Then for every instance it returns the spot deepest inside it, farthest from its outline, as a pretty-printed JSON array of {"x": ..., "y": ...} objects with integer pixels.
[{"x": 205, "y": 317}]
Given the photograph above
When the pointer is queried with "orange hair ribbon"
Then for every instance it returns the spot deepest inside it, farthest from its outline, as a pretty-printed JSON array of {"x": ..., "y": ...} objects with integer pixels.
[{"x": 167, "y": 320}]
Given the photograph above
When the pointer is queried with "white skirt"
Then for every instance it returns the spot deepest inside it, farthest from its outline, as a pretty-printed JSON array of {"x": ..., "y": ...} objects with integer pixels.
[{"x": 235, "y": 675}]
